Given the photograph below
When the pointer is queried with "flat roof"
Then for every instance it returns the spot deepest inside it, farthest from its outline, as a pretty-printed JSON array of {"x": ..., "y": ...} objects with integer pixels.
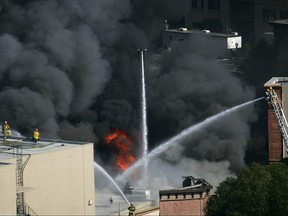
[
  {"x": 276, "y": 81},
  {"x": 8, "y": 148},
  {"x": 215, "y": 34},
  {"x": 282, "y": 22},
  {"x": 184, "y": 190}
]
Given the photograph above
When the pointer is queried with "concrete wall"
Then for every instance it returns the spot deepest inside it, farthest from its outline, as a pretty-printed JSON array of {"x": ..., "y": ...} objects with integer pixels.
[
  {"x": 63, "y": 181},
  {"x": 7, "y": 187}
]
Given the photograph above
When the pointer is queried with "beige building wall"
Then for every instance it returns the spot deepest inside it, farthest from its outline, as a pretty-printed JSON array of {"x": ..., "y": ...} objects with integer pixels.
[
  {"x": 63, "y": 181},
  {"x": 57, "y": 180},
  {"x": 7, "y": 187}
]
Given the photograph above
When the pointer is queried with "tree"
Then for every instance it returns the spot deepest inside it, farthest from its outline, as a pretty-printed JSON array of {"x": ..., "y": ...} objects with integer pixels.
[{"x": 260, "y": 190}]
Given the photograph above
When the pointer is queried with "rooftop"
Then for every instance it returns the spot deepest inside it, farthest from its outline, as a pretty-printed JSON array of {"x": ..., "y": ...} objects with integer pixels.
[
  {"x": 204, "y": 32},
  {"x": 10, "y": 146},
  {"x": 276, "y": 81},
  {"x": 196, "y": 185}
]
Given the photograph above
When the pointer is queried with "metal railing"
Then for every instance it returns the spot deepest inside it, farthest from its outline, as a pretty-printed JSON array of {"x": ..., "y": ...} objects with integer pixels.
[{"x": 29, "y": 211}]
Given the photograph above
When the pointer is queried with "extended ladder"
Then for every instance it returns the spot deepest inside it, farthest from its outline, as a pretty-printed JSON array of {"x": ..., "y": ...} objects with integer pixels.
[{"x": 272, "y": 98}]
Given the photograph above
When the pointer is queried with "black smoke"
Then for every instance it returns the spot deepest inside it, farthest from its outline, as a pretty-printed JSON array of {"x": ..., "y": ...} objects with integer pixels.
[{"x": 70, "y": 68}]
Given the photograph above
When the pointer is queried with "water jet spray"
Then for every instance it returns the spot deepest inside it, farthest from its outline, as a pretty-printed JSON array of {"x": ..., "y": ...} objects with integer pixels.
[
  {"x": 143, "y": 114},
  {"x": 179, "y": 137},
  {"x": 97, "y": 166}
]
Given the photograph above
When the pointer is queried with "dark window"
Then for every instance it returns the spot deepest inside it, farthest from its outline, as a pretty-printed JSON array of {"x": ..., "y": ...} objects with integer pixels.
[
  {"x": 283, "y": 14},
  {"x": 197, "y": 3},
  {"x": 214, "y": 4},
  {"x": 245, "y": 7},
  {"x": 268, "y": 15}
]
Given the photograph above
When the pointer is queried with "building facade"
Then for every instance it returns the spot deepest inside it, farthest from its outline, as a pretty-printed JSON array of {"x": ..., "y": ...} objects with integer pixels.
[
  {"x": 250, "y": 18},
  {"x": 57, "y": 178},
  {"x": 242, "y": 19},
  {"x": 267, "y": 11},
  {"x": 208, "y": 14},
  {"x": 280, "y": 29},
  {"x": 190, "y": 200},
  {"x": 276, "y": 146}
]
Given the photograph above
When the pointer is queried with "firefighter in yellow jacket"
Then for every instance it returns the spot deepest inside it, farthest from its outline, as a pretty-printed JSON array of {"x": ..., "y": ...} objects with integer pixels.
[
  {"x": 6, "y": 130},
  {"x": 36, "y": 135},
  {"x": 131, "y": 209}
]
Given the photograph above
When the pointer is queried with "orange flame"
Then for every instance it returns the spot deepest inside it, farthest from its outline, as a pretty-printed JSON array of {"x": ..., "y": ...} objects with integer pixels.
[{"x": 123, "y": 145}]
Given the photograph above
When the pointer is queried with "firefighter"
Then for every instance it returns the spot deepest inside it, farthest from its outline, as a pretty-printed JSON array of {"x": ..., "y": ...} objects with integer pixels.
[
  {"x": 131, "y": 209},
  {"x": 6, "y": 130},
  {"x": 36, "y": 135}
]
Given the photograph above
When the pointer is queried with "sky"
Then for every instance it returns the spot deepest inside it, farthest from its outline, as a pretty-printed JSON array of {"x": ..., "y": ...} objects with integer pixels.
[{"x": 70, "y": 68}]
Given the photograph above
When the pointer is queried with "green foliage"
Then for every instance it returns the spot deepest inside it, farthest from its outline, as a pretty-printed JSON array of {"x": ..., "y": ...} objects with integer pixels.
[{"x": 257, "y": 191}]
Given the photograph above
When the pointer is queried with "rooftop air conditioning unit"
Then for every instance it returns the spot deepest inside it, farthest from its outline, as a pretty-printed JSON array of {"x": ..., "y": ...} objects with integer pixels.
[{"x": 183, "y": 29}]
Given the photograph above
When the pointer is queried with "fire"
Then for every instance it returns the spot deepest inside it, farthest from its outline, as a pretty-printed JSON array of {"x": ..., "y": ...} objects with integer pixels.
[{"x": 123, "y": 144}]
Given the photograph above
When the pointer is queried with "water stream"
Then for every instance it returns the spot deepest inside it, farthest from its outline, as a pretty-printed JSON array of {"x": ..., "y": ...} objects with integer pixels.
[
  {"x": 179, "y": 137},
  {"x": 144, "y": 118},
  {"x": 98, "y": 167}
]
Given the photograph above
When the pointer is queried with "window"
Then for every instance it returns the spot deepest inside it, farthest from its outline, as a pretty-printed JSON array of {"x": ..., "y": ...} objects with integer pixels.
[
  {"x": 268, "y": 15},
  {"x": 245, "y": 7},
  {"x": 283, "y": 14},
  {"x": 197, "y": 3},
  {"x": 214, "y": 4}
]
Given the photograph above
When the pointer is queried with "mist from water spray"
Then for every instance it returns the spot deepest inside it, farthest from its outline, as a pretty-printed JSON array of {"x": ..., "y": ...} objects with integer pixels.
[
  {"x": 179, "y": 137},
  {"x": 144, "y": 117},
  {"x": 98, "y": 167}
]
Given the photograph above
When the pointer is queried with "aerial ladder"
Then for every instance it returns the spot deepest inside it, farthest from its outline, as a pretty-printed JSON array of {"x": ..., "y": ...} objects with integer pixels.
[{"x": 273, "y": 99}]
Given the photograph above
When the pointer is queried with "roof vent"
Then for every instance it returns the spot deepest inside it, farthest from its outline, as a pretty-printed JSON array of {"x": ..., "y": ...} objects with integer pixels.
[
  {"x": 206, "y": 31},
  {"x": 183, "y": 29}
]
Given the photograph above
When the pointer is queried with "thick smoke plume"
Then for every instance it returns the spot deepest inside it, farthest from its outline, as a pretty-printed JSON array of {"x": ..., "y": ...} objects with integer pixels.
[
  {"x": 53, "y": 65},
  {"x": 70, "y": 69},
  {"x": 195, "y": 85}
]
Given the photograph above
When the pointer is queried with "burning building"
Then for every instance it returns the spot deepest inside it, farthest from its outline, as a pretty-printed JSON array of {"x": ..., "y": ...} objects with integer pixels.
[
  {"x": 188, "y": 200},
  {"x": 121, "y": 143},
  {"x": 53, "y": 177}
]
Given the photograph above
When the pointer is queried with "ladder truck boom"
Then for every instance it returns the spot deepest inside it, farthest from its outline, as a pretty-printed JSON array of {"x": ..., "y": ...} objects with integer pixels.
[{"x": 273, "y": 99}]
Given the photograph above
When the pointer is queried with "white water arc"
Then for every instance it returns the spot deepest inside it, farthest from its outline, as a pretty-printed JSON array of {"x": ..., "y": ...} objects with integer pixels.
[
  {"x": 144, "y": 116},
  {"x": 179, "y": 137},
  {"x": 98, "y": 167}
]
